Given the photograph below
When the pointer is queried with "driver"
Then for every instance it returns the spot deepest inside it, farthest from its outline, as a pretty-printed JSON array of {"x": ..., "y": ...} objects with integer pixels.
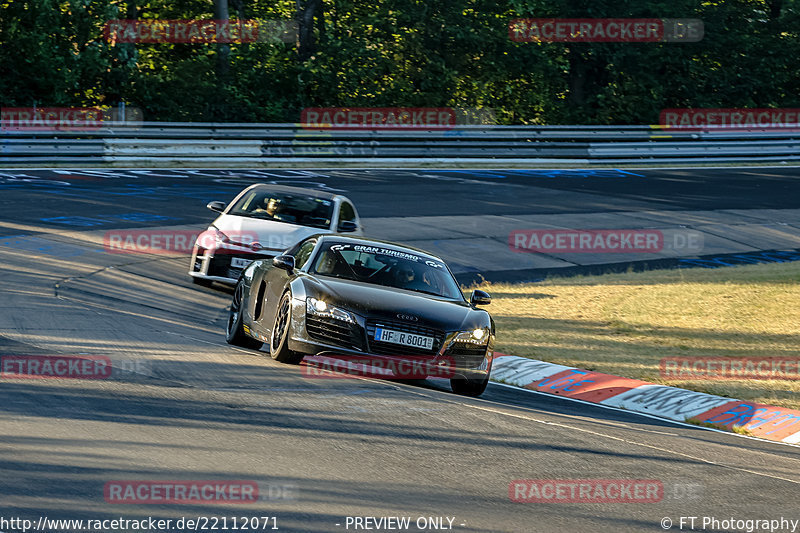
[
  {"x": 269, "y": 206},
  {"x": 405, "y": 275},
  {"x": 409, "y": 278},
  {"x": 272, "y": 206}
]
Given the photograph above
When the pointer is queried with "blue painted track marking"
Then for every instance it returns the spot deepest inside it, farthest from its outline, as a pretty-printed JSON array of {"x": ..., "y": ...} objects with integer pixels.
[
  {"x": 42, "y": 246},
  {"x": 101, "y": 220},
  {"x": 84, "y": 222},
  {"x": 751, "y": 258}
]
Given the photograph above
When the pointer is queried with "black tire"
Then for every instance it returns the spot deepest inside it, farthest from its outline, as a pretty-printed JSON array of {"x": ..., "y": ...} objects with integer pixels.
[
  {"x": 234, "y": 332},
  {"x": 469, "y": 387},
  {"x": 279, "y": 340}
]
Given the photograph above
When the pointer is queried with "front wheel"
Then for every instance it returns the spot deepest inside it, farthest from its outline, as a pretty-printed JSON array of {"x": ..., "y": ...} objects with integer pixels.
[
  {"x": 469, "y": 387},
  {"x": 279, "y": 343},
  {"x": 234, "y": 332}
]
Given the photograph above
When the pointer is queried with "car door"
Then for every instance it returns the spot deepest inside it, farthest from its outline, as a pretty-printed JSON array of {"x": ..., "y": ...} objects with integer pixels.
[{"x": 274, "y": 284}]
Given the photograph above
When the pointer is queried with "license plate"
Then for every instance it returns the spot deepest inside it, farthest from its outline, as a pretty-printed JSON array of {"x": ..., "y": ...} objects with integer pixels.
[
  {"x": 238, "y": 262},
  {"x": 403, "y": 338}
]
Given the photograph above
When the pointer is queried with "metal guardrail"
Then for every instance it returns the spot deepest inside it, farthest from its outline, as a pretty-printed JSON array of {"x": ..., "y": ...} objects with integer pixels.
[{"x": 156, "y": 143}]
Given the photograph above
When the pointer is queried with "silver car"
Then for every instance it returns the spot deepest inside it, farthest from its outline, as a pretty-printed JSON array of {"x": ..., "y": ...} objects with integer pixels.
[{"x": 261, "y": 222}]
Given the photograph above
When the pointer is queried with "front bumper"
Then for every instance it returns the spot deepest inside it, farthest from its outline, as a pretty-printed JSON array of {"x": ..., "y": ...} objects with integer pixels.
[
  {"x": 223, "y": 265},
  {"x": 340, "y": 338}
]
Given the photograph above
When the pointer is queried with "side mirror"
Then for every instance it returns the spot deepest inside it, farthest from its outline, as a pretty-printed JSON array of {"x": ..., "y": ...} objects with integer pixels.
[
  {"x": 480, "y": 298},
  {"x": 347, "y": 226},
  {"x": 216, "y": 206},
  {"x": 285, "y": 262}
]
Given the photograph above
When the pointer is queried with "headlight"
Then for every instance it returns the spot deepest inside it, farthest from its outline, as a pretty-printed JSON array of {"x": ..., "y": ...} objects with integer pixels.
[
  {"x": 321, "y": 309},
  {"x": 221, "y": 238},
  {"x": 476, "y": 336},
  {"x": 211, "y": 238}
]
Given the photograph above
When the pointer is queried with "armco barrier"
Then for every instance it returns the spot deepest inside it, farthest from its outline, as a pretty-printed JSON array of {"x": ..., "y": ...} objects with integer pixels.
[{"x": 157, "y": 143}]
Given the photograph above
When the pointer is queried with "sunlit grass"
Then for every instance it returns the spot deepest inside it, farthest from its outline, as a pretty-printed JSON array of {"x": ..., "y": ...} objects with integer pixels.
[{"x": 624, "y": 324}]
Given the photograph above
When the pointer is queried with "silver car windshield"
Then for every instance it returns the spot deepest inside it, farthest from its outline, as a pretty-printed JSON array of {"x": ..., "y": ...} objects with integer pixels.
[{"x": 290, "y": 208}]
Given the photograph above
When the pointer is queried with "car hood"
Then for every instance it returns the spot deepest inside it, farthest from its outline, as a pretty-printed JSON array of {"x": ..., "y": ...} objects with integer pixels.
[
  {"x": 269, "y": 234},
  {"x": 379, "y": 302}
]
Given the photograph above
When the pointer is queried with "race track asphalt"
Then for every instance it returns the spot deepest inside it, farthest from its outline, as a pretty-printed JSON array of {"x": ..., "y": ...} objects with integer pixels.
[{"x": 183, "y": 405}]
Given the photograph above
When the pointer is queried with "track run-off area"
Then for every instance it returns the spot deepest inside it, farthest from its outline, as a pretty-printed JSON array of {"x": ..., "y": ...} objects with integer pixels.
[{"x": 181, "y": 405}]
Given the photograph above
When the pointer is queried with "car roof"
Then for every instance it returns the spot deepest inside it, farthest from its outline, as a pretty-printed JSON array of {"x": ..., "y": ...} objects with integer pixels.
[
  {"x": 314, "y": 193},
  {"x": 350, "y": 239}
]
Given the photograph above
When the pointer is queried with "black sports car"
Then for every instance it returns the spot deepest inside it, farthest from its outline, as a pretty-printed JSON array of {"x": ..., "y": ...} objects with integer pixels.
[{"x": 351, "y": 296}]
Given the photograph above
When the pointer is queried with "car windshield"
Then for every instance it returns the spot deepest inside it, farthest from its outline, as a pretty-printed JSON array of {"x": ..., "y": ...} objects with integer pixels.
[
  {"x": 285, "y": 207},
  {"x": 402, "y": 269}
]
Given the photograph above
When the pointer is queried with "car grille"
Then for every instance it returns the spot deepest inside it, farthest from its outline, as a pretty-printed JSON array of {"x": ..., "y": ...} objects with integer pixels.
[
  {"x": 467, "y": 356},
  {"x": 335, "y": 332},
  {"x": 389, "y": 348},
  {"x": 220, "y": 265}
]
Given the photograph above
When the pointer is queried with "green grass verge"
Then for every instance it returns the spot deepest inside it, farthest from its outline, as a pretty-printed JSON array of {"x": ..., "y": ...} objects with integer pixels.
[{"x": 624, "y": 324}]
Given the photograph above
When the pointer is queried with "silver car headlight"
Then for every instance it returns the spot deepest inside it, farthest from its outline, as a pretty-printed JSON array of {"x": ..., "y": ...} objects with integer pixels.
[
  {"x": 479, "y": 336},
  {"x": 210, "y": 239},
  {"x": 221, "y": 238},
  {"x": 322, "y": 309}
]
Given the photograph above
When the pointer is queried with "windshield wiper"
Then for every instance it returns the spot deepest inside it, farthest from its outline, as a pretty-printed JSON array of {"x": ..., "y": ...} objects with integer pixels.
[
  {"x": 260, "y": 216},
  {"x": 355, "y": 274},
  {"x": 424, "y": 292}
]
